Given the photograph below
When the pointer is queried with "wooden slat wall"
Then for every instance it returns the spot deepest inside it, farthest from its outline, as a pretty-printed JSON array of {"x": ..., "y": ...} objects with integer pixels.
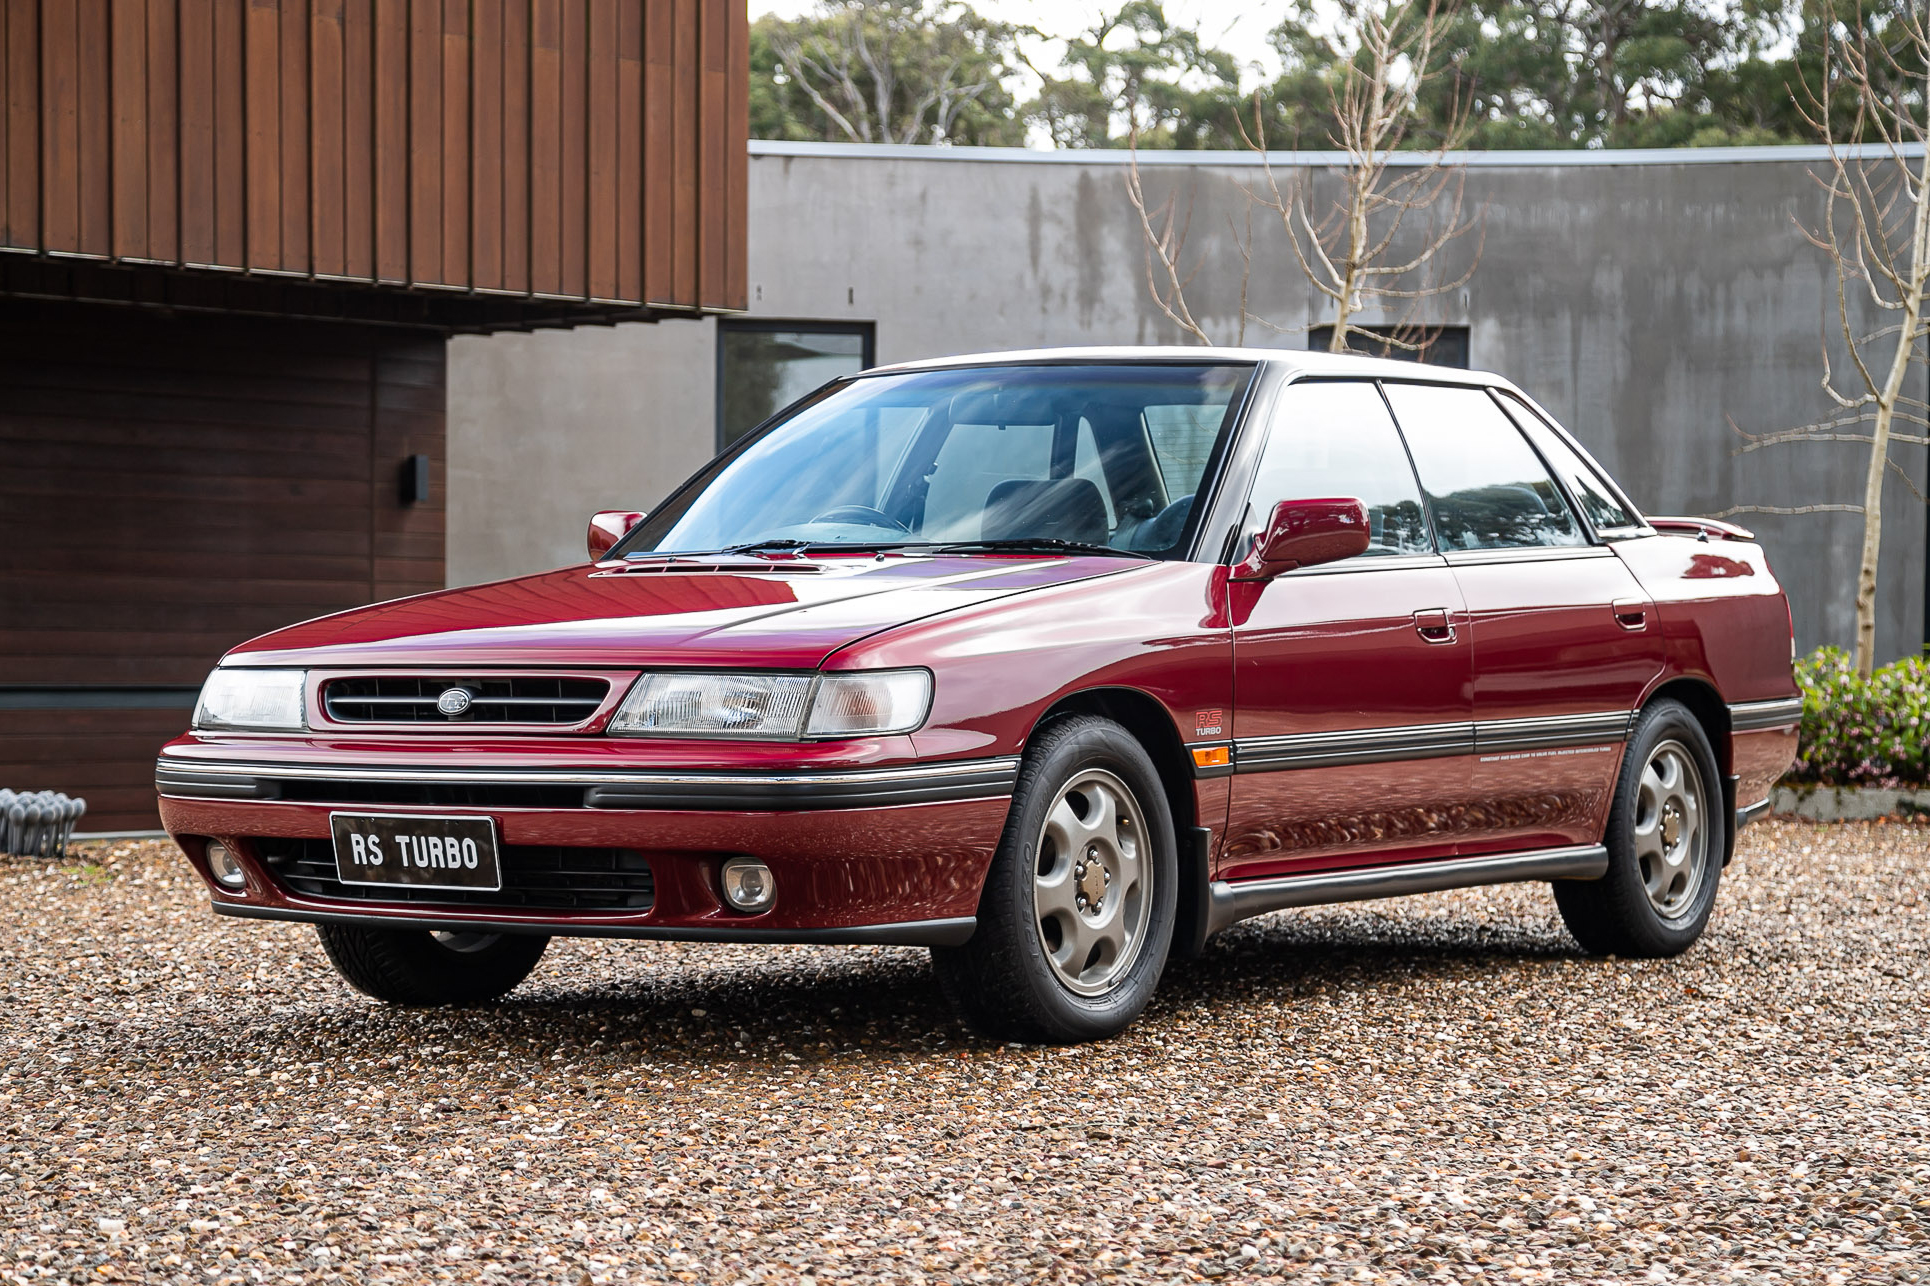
[
  {"x": 177, "y": 485},
  {"x": 589, "y": 150}
]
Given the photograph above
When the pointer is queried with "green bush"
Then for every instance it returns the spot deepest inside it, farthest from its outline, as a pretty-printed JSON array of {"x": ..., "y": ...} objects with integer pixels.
[{"x": 1863, "y": 732}]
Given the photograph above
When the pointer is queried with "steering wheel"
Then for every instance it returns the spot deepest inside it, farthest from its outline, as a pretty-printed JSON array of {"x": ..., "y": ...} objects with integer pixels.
[{"x": 864, "y": 515}]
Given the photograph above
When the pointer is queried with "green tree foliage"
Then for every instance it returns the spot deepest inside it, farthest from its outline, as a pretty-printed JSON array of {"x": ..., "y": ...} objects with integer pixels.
[
  {"x": 1519, "y": 73},
  {"x": 1136, "y": 71},
  {"x": 885, "y": 71}
]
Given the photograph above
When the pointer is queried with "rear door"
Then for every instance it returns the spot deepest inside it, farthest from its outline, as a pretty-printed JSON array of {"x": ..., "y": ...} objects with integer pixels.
[
  {"x": 1352, "y": 719},
  {"x": 1565, "y": 640}
]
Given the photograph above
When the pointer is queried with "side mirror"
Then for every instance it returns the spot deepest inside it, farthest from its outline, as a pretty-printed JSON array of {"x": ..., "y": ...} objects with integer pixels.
[
  {"x": 1306, "y": 533},
  {"x": 608, "y": 527}
]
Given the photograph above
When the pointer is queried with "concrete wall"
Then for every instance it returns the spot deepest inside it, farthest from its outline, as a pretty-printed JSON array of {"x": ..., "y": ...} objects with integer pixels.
[{"x": 1647, "y": 302}]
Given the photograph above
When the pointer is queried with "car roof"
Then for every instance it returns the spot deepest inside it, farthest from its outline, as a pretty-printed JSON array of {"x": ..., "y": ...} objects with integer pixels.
[{"x": 1294, "y": 361}]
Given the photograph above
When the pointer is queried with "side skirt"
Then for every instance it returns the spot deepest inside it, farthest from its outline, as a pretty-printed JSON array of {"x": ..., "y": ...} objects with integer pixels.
[{"x": 1235, "y": 902}]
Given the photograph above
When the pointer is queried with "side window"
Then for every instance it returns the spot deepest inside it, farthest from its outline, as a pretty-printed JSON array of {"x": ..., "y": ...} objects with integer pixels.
[
  {"x": 1487, "y": 487},
  {"x": 1596, "y": 498},
  {"x": 1336, "y": 439}
]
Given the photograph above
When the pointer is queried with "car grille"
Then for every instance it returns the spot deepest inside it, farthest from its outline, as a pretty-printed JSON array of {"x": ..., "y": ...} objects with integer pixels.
[
  {"x": 535, "y": 878},
  {"x": 519, "y": 699}
]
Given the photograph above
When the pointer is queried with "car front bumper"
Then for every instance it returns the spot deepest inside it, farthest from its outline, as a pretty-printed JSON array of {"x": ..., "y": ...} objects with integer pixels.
[{"x": 891, "y": 855}]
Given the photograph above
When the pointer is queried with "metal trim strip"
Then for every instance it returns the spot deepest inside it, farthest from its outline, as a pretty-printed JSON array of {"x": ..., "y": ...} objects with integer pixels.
[
  {"x": 1758, "y": 716},
  {"x": 1551, "y": 732},
  {"x": 1353, "y": 746},
  {"x": 1524, "y": 554},
  {"x": 1526, "y": 159},
  {"x": 1233, "y": 902},
  {"x": 1426, "y": 741}
]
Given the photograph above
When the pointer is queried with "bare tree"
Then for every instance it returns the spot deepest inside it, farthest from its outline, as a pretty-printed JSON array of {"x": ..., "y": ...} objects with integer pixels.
[
  {"x": 1345, "y": 247},
  {"x": 1356, "y": 249},
  {"x": 1876, "y": 233}
]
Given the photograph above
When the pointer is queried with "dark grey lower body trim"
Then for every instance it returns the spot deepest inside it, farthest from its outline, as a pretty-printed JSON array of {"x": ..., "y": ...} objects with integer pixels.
[
  {"x": 930, "y": 783},
  {"x": 1498, "y": 735},
  {"x": 1235, "y": 901},
  {"x": 1755, "y": 716},
  {"x": 1365, "y": 746},
  {"x": 1751, "y": 813},
  {"x": 1428, "y": 741},
  {"x": 910, "y": 933},
  {"x": 846, "y": 790},
  {"x": 186, "y": 783}
]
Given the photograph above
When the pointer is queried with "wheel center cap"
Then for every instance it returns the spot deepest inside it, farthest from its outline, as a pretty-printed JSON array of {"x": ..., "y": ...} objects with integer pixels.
[
  {"x": 1091, "y": 877},
  {"x": 1671, "y": 824}
]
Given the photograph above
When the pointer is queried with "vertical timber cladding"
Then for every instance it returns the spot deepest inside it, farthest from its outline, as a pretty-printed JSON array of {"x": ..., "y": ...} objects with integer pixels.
[
  {"x": 587, "y": 150},
  {"x": 174, "y": 485}
]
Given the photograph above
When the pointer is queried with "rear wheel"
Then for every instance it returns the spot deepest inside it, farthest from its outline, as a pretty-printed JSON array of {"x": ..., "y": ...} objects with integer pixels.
[
  {"x": 1666, "y": 836},
  {"x": 425, "y": 967},
  {"x": 1077, "y": 913}
]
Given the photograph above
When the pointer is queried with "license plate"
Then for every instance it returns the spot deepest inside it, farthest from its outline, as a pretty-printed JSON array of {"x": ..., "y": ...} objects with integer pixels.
[{"x": 417, "y": 852}]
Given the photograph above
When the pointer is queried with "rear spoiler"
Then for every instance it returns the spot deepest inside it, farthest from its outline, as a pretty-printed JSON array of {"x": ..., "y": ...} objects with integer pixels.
[{"x": 1702, "y": 528}]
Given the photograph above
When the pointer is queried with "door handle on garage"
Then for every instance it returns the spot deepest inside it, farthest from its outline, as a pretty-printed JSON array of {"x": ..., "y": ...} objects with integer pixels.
[
  {"x": 1434, "y": 625},
  {"x": 1631, "y": 613}
]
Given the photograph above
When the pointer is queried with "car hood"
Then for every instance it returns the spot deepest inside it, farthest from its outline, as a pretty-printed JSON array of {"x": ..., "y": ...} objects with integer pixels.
[{"x": 783, "y": 613}]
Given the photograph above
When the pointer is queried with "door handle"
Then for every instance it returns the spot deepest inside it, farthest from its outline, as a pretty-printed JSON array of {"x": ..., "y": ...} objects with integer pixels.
[
  {"x": 1434, "y": 625},
  {"x": 1631, "y": 613}
]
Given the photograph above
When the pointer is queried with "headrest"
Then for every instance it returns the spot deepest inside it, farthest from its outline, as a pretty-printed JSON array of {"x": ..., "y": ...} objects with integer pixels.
[{"x": 1063, "y": 509}]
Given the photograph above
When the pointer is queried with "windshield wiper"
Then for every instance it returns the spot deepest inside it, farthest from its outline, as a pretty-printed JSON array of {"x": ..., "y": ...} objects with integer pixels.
[{"x": 1033, "y": 545}]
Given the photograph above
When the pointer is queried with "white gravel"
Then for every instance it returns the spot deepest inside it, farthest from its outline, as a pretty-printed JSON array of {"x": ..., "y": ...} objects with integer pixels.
[{"x": 1437, "y": 1089}]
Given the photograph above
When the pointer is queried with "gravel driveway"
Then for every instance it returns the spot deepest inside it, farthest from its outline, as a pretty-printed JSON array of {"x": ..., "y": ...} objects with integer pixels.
[{"x": 1436, "y": 1088}]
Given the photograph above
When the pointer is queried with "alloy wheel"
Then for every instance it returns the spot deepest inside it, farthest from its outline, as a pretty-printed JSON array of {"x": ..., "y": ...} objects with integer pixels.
[
  {"x": 1092, "y": 886},
  {"x": 1670, "y": 831}
]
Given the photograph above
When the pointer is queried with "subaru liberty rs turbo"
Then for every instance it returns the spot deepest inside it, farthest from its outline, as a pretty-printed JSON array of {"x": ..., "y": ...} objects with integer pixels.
[{"x": 1055, "y": 663}]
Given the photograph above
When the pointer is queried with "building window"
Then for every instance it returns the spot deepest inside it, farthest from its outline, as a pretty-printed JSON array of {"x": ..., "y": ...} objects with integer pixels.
[
  {"x": 764, "y": 366},
  {"x": 1439, "y": 345}
]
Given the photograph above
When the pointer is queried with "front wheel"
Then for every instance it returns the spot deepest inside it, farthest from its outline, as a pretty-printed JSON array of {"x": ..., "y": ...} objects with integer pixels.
[
  {"x": 1666, "y": 837},
  {"x": 421, "y": 967},
  {"x": 1077, "y": 912}
]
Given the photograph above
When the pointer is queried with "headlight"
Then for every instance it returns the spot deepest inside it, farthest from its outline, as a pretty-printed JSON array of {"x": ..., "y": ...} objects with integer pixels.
[
  {"x": 856, "y": 705},
  {"x": 782, "y": 707},
  {"x": 262, "y": 700},
  {"x": 715, "y": 705}
]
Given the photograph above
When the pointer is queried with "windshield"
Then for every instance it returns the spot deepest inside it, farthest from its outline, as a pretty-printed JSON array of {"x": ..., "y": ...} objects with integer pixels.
[{"x": 1100, "y": 455}]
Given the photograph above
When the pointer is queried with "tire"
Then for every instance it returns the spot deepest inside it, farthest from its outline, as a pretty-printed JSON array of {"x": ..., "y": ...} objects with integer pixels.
[
  {"x": 1044, "y": 966},
  {"x": 418, "y": 967},
  {"x": 1666, "y": 836}
]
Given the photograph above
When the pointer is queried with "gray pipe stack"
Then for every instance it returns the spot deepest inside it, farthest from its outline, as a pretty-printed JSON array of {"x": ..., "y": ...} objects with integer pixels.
[{"x": 37, "y": 823}]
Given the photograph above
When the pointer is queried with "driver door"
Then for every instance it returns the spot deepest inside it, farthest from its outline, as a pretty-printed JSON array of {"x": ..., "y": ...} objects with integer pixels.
[{"x": 1353, "y": 703}]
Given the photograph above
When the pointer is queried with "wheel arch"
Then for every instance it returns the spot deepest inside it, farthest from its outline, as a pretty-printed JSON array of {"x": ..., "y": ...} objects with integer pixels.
[
  {"x": 1708, "y": 707},
  {"x": 1151, "y": 724}
]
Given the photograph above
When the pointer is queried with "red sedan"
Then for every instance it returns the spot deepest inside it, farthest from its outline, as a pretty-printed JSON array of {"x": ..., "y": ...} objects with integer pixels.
[{"x": 1056, "y": 663}]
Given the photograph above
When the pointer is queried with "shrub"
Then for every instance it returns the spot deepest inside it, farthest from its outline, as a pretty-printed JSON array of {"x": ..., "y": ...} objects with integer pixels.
[{"x": 1863, "y": 732}]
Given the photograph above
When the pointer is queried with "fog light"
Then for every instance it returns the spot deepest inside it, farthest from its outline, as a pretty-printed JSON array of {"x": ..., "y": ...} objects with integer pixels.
[
  {"x": 226, "y": 870},
  {"x": 748, "y": 885}
]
